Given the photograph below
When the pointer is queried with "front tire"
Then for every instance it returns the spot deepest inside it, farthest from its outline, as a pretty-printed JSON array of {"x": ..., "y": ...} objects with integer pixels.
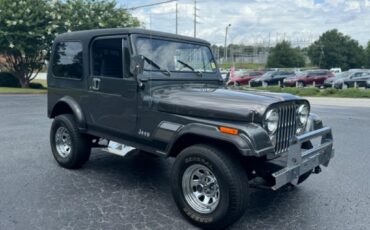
[
  {"x": 209, "y": 186},
  {"x": 70, "y": 148}
]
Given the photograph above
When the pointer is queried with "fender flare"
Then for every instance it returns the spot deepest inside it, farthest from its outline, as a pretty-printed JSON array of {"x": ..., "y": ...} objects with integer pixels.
[
  {"x": 76, "y": 110},
  {"x": 211, "y": 132}
]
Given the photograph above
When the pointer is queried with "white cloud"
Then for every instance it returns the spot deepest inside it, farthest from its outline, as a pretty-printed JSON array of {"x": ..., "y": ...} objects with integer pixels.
[
  {"x": 352, "y": 6},
  {"x": 262, "y": 20}
]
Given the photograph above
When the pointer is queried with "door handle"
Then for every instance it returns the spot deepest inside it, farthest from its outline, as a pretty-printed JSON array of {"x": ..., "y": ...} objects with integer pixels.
[{"x": 95, "y": 84}]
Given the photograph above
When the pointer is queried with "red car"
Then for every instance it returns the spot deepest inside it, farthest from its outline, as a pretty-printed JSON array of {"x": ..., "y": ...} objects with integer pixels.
[
  {"x": 243, "y": 78},
  {"x": 308, "y": 77}
]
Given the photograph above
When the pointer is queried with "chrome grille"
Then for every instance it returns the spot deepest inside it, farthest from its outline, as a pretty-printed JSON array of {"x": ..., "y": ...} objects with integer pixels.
[{"x": 286, "y": 127}]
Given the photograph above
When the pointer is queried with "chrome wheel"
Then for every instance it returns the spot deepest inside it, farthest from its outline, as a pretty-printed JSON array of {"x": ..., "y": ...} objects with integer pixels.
[
  {"x": 63, "y": 142},
  {"x": 200, "y": 188}
]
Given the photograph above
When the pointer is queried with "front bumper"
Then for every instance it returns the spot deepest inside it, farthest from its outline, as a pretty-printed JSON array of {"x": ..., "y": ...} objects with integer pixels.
[{"x": 300, "y": 161}]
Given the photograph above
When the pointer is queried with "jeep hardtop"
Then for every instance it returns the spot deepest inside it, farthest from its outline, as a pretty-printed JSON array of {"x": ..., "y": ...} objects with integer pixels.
[{"x": 163, "y": 94}]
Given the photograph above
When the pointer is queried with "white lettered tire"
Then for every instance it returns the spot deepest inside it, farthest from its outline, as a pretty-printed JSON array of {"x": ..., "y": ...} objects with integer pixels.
[{"x": 209, "y": 186}]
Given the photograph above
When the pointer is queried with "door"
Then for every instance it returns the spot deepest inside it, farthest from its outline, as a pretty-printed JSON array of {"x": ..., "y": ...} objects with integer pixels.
[
  {"x": 112, "y": 91},
  {"x": 361, "y": 79}
]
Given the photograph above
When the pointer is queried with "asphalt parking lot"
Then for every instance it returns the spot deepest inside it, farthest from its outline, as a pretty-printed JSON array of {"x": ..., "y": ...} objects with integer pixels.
[{"x": 133, "y": 192}]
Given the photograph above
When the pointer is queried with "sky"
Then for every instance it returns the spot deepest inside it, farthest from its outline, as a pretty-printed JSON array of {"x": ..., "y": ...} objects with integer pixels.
[{"x": 258, "y": 21}]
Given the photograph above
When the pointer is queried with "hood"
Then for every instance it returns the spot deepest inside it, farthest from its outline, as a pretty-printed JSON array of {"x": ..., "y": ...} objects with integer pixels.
[
  {"x": 335, "y": 80},
  {"x": 220, "y": 103}
]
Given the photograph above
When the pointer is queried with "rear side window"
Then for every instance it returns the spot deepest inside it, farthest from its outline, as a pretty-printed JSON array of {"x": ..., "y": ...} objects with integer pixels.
[{"x": 67, "y": 60}]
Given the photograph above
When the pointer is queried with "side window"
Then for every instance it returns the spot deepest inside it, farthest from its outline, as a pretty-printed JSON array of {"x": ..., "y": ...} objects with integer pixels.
[
  {"x": 67, "y": 60},
  {"x": 110, "y": 58}
]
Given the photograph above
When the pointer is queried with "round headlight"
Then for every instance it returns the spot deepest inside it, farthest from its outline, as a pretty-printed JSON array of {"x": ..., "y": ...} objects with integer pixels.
[
  {"x": 271, "y": 121},
  {"x": 303, "y": 113}
]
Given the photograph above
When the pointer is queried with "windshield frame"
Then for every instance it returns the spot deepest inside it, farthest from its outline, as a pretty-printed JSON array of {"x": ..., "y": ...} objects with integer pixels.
[{"x": 135, "y": 37}]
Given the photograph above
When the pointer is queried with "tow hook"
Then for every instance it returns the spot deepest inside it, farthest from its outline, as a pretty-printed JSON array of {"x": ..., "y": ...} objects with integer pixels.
[{"x": 317, "y": 170}]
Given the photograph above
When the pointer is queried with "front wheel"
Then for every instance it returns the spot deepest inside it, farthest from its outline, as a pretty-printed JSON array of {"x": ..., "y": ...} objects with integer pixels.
[
  {"x": 71, "y": 149},
  {"x": 209, "y": 187}
]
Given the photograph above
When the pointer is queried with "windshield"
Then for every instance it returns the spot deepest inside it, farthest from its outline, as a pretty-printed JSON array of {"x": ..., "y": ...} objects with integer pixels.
[
  {"x": 302, "y": 74},
  {"x": 267, "y": 75},
  {"x": 342, "y": 75},
  {"x": 176, "y": 56}
]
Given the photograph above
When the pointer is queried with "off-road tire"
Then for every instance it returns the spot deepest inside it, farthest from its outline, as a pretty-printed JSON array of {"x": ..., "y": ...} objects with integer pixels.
[
  {"x": 231, "y": 178},
  {"x": 80, "y": 143}
]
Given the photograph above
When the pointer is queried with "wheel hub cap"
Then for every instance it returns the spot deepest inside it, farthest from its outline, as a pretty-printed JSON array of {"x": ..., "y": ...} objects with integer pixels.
[
  {"x": 200, "y": 188},
  {"x": 63, "y": 142}
]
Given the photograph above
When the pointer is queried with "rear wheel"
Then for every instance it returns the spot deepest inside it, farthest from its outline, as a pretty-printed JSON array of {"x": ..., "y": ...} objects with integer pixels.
[
  {"x": 237, "y": 83},
  {"x": 209, "y": 187},
  {"x": 71, "y": 149}
]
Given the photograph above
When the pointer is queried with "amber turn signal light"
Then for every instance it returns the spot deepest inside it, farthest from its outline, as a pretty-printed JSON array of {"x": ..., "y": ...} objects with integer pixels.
[{"x": 228, "y": 130}]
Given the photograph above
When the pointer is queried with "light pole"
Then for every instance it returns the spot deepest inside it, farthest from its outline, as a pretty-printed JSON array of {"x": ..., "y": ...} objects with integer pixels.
[{"x": 227, "y": 28}]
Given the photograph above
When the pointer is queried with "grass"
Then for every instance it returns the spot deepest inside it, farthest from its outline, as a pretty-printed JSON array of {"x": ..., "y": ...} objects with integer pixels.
[
  {"x": 315, "y": 92},
  {"x": 6, "y": 90},
  {"x": 9, "y": 90}
]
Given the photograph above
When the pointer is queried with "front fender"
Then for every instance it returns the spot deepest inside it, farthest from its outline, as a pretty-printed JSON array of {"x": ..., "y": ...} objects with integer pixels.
[{"x": 213, "y": 133}]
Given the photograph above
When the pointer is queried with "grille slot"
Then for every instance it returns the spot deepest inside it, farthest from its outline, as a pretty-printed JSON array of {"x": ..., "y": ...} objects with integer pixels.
[{"x": 287, "y": 126}]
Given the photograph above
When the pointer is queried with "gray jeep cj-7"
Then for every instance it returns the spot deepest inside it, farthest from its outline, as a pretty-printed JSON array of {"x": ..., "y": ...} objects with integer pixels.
[{"x": 163, "y": 94}]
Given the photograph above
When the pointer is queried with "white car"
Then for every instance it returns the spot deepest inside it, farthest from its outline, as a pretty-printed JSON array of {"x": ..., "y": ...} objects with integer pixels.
[{"x": 336, "y": 70}]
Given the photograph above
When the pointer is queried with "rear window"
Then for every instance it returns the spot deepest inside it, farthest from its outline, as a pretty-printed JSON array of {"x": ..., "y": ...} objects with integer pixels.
[
  {"x": 67, "y": 60},
  {"x": 318, "y": 73}
]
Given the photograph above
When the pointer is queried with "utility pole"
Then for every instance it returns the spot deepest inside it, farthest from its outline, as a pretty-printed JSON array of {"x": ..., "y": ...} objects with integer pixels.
[
  {"x": 177, "y": 18},
  {"x": 152, "y": 4},
  {"x": 156, "y": 4},
  {"x": 195, "y": 18},
  {"x": 226, "y": 30}
]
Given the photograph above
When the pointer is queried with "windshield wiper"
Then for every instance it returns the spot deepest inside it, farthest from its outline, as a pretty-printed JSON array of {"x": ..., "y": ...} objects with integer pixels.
[
  {"x": 151, "y": 62},
  {"x": 189, "y": 66}
]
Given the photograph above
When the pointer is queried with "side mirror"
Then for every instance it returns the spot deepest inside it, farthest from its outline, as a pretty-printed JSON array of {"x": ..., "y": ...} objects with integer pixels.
[{"x": 137, "y": 65}]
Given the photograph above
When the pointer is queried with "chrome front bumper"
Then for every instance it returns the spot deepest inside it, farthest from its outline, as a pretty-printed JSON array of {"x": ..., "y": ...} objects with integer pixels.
[{"x": 300, "y": 161}]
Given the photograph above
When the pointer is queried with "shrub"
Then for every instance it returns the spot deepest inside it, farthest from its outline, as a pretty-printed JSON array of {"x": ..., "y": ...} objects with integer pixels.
[
  {"x": 35, "y": 85},
  {"x": 8, "y": 80}
]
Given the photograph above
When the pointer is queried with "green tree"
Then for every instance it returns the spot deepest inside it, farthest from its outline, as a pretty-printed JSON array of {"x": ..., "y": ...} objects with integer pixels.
[
  {"x": 334, "y": 49},
  {"x": 367, "y": 51},
  {"x": 28, "y": 28},
  {"x": 284, "y": 55}
]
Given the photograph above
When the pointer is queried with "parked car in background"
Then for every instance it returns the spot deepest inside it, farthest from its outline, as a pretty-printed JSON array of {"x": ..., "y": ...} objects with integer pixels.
[
  {"x": 309, "y": 77},
  {"x": 338, "y": 80},
  {"x": 367, "y": 85},
  {"x": 271, "y": 78},
  {"x": 224, "y": 73},
  {"x": 243, "y": 77},
  {"x": 336, "y": 70},
  {"x": 358, "y": 80}
]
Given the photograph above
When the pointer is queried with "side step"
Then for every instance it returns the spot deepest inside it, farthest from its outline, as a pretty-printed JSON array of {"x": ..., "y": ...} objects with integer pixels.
[{"x": 118, "y": 149}]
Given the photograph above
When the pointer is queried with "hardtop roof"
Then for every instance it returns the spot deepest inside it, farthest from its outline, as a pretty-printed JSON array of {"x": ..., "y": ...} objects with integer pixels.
[{"x": 89, "y": 34}]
